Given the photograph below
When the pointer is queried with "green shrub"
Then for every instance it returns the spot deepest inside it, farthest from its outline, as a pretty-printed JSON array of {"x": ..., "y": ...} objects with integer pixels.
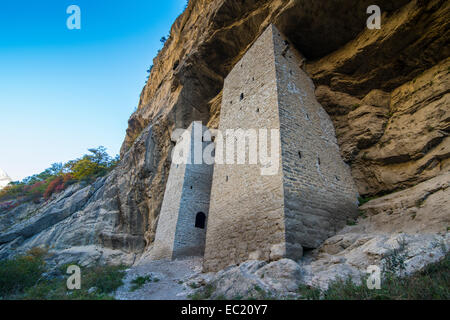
[
  {"x": 433, "y": 282},
  {"x": 105, "y": 278},
  {"x": 194, "y": 285},
  {"x": 85, "y": 169},
  {"x": 394, "y": 259},
  {"x": 309, "y": 292},
  {"x": 21, "y": 272},
  {"x": 58, "y": 177},
  {"x": 204, "y": 293},
  {"x": 11, "y": 191},
  {"x": 139, "y": 282},
  {"x": 21, "y": 278},
  {"x": 46, "y": 290},
  {"x": 363, "y": 200}
]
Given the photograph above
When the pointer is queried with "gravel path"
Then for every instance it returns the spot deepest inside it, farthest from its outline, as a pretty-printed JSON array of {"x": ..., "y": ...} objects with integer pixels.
[{"x": 169, "y": 279}]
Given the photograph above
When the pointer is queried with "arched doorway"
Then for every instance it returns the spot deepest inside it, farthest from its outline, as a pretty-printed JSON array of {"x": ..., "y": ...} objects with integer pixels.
[{"x": 200, "y": 220}]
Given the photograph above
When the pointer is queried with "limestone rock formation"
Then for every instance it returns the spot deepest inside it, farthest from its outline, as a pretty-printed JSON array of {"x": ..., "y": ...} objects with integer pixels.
[
  {"x": 386, "y": 91},
  {"x": 346, "y": 255},
  {"x": 254, "y": 278},
  {"x": 364, "y": 66},
  {"x": 349, "y": 254},
  {"x": 72, "y": 225}
]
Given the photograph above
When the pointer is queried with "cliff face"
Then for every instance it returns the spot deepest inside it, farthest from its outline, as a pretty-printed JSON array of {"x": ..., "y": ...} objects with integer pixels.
[
  {"x": 387, "y": 89},
  {"x": 387, "y": 92},
  {"x": 211, "y": 36}
]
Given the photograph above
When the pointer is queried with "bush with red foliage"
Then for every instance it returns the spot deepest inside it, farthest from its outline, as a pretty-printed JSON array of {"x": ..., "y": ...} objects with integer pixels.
[
  {"x": 8, "y": 205},
  {"x": 35, "y": 191},
  {"x": 68, "y": 180},
  {"x": 53, "y": 186},
  {"x": 57, "y": 185},
  {"x": 58, "y": 177}
]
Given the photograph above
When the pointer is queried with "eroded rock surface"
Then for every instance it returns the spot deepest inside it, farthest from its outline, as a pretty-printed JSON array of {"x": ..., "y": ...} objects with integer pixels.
[
  {"x": 346, "y": 255},
  {"x": 349, "y": 254},
  {"x": 168, "y": 280},
  {"x": 386, "y": 91}
]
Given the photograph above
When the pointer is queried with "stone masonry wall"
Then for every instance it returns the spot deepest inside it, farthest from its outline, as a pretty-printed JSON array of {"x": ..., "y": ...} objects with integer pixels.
[
  {"x": 319, "y": 192},
  {"x": 187, "y": 193},
  {"x": 268, "y": 217},
  {"x": 190, "y": 240},
  {"x": 246, "y": 208}
]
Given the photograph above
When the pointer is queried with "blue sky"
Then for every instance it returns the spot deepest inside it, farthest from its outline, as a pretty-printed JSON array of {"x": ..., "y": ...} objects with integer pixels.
[{"x": 63, "y": 91}]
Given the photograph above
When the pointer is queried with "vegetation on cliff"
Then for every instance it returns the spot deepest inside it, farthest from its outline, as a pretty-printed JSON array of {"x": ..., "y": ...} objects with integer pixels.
[
  {"x": 29, "y": 277},
  {"x": 433, "y": 282},
  {"x": 57, "y": 178}
]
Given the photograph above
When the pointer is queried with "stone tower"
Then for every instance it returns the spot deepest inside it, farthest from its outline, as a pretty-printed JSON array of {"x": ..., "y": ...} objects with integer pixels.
[
  {"x": 311, "y": 196},
  {"x": 181, "y": 228}
]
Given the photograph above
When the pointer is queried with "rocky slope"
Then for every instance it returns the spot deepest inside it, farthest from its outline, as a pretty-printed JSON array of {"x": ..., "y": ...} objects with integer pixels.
[{"x": 386, "y": 90}]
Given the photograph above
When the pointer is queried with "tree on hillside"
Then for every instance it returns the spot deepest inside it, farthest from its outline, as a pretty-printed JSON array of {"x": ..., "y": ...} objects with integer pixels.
[{"x": 59, "y": 176}]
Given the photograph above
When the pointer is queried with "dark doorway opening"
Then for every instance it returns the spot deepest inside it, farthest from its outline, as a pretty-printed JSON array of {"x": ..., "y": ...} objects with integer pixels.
[{"x": 200, "y": 220}]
